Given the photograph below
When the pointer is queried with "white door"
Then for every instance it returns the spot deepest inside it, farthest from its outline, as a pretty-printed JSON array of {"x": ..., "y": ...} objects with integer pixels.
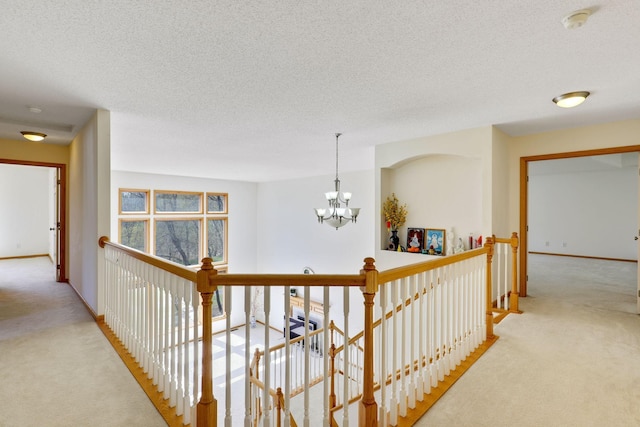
[
  {"x": 54, "y": 218},
  {"x": 637, "y": 240},
  {"x": 53, "y": 190}
]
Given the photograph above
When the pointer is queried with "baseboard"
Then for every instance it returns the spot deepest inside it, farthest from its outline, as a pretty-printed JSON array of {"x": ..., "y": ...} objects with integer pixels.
[
  {"x": 86, "y": 305},
  {"x": 24, "y": 256},
  {"x": 156, "y": 397},
  {"x": 584, "y": 256}
]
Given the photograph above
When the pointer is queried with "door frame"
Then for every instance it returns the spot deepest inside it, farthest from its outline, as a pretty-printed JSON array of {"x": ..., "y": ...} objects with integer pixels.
[
  {"x": 524, "y": 196},
  {"x": 61, "y": 275}
]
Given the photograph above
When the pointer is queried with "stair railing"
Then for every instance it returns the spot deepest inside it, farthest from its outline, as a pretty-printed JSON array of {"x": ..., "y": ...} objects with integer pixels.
[
  {"x": 436, "y": 313},
  {"x": 504, "y": 290}
]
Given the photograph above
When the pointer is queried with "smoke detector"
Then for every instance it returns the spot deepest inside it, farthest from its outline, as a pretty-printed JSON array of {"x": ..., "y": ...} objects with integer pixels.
[{"x": 576, "y": 19}]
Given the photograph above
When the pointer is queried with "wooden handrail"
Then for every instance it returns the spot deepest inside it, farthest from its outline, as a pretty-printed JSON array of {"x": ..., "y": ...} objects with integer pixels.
[
  {"x": 431, "y": 264},
  {"x": 163, "y": 264},
  {"x": 289, "y": 280}
]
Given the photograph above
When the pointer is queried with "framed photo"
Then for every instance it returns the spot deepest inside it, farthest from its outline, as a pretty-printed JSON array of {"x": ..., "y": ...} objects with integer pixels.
[
  {"x": 435, "y": 241},
  {"x": 415, "y": 239}
]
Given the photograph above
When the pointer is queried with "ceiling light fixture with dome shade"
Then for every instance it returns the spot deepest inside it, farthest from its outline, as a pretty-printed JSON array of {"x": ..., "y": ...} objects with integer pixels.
[
  {"x": 336, "y": 215},
  {"x": 33, "y": 136},
  {"x": 571, "y": 99}
]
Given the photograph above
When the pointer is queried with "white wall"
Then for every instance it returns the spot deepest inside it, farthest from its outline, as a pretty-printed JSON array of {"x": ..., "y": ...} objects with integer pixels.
[
  {"x": 290, "y": 238},
  {"x": 442, "y": 192},
  {"x": 89, "y": 210},
  {"x": 500, "y": 185},
  {"x": 592, "y": 213},
  {"x": 24, "y": 210}
]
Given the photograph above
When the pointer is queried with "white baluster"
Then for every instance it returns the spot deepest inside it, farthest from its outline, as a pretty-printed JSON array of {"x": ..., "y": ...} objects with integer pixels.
[
  {"x": 227, "y": 378},
  {"x": 307, "y": 354},
  {"x": 180, "y": 370},
  {"x": 266, "y": 399},
  {"x": 249, "y": 408},
  {"x": 197, "y": 356},
  {"x": 287, "y": 359},
  {"x": 186, "y": 295},
  {"x": 382, "y": 417},
  {"x": 166, "y": 302},
  {"x": 325, "y": 359},
  {"x": 347, "y": 367},
  {"x": 415, "y": 332},
  {"x": 175, "y": 341},
  {"x": 393, "y": 402},
  {"x": 403, "y": 347}
]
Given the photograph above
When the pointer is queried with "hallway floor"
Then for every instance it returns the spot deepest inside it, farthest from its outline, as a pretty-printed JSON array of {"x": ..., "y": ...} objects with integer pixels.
[
  {"x": 56, "y": 366},
  {"x": 568, "y": 360}
]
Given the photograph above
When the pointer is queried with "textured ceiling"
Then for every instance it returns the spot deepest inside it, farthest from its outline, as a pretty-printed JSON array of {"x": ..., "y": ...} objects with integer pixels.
[{"x": 256, "y": 90}]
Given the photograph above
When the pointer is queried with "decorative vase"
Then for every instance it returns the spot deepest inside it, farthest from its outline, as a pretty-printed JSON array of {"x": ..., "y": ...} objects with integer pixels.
[
  {"x": 252, "y": 321},
  {"x": 394, "y": 241}
]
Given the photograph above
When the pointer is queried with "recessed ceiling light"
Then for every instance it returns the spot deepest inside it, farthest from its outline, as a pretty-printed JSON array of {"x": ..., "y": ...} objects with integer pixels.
[
  {"x": 571, "y": 99},
  {"x": 33, "y": 136},
  {"x": 35, "y": 110}
]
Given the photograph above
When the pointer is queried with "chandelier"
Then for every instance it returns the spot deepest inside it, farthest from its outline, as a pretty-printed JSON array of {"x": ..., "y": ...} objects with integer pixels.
[{"x": 336, "y": 215}]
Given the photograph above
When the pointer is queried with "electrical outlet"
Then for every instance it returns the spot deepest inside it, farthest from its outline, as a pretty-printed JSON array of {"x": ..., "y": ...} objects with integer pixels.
[{"x": 546, "y": 243}]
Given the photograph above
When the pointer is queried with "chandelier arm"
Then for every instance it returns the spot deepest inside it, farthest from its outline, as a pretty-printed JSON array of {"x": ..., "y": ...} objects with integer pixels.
[{"x": 333, "y": 213}]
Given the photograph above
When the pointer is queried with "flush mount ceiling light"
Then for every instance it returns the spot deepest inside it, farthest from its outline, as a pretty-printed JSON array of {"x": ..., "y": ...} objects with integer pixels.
[
  {"x": 337, "y": 216},
  {"x": 33, "y": 136},
  {"x": 576, "y": 19},
  {"x": 571, "y": 99}
]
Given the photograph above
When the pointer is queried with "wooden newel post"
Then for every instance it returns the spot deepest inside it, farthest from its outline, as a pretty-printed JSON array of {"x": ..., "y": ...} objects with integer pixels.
[
  {"x": 368, "y": 409},
  {"x": 279, "y": 406},
  {"x": 513, "y": 300},
  {"x": 207, "y": 410},
  {"x": 489, "y": 285}
]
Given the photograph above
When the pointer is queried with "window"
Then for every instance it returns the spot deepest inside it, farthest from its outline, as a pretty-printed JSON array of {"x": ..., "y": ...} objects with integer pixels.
[
  {"x": 217, "y": 301},
  {"x": 134, "y": 233},
  {"x": 216, "y": 243},
  {"x": 134, "y": 201},
  {"x": 179, "y": 240},
  {"x": 216, "y": 203},
  {"x": 177, "y": 202},
  {"x": 182, "y": 226}
]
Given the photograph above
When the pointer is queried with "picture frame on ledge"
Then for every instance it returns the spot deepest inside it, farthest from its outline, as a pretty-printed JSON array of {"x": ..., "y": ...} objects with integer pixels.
[
  {"x": 435, "y": 240},
  {"x": 415, "y": 239}
]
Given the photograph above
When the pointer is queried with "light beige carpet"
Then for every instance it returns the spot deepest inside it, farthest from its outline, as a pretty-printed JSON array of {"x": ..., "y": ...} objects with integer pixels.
[
  {"x": 571, "y": 359},
  {"x": 56, "y": 367}
]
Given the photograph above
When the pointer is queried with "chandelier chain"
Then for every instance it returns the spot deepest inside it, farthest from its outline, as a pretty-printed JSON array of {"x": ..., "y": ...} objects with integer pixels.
[{"x": 337, "y": 136}]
